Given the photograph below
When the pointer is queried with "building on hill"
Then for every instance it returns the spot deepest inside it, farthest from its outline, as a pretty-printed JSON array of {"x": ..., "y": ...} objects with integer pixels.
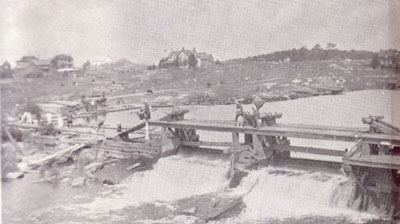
[
  {"x": 181, "y": 58},
  {"x": 27, "y": 58},
  {"x": 27, "y": 69},
  {"x": 5, "y": 70},
  {"x": 105, "y": 61},
  {"x": 33, "y": 66},
  {"x": 62, "y": 61},
  {"x": 170, "y": 61},
  {"x": 43, "y": 64},
  {"x": 389, "y": 58},
  {"x": 204, "y": 59}
]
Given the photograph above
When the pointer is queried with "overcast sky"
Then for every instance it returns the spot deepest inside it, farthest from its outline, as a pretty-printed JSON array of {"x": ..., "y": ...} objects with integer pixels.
[{"x": 142, "y": 31}]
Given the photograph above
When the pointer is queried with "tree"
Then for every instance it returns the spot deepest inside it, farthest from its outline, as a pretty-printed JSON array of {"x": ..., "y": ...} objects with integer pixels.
[
  {"x": 375, "y": 62},
  {"x": 331, "y": 46},
  {"x": 192, "y": 61},
  {"x": 86, "y": 66},
  {"x": 316, "y": 47},
  {"x": 302, "y": 54},
  {"x": 32, "y": 108},
  {"x": 316, "y": 53}
]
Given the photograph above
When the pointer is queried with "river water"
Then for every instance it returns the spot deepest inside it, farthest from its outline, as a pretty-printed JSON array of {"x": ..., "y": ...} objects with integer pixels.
[{"x": 277, "y": 195}]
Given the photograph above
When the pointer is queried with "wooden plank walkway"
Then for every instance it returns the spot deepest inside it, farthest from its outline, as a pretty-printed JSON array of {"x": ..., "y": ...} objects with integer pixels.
[
  {"x": 296, "y": 131},
  {"x": 379, "y": 161}
]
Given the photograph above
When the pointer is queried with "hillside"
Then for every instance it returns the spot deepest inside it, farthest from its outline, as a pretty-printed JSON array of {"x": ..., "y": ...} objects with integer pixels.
[
  {"x": 216, "y": 84},
  {"x": 317, "y": 53},
  {"x": 241, "y": 78}
]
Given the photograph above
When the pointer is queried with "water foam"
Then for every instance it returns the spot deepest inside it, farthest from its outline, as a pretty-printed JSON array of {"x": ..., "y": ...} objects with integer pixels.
[
  {"x": 286, "y": 193},
  {"x": 172, "y": 178}
]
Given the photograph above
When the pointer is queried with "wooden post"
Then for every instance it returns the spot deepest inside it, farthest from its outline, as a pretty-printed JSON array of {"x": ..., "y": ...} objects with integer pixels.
[
  {"x": 147, "y": 134},
  {"x": 235, "y": 142},
  {"x": 235, "y": 138},
  {"x": 247, "y": 139},
  {"x": 257, "y": 146},
  {"x": 169, "y": 143}
]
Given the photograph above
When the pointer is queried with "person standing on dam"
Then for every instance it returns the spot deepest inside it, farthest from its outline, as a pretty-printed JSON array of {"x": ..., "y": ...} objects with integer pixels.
[
  {"x": 69, "y": 119},
  {"x": 85, "y": 103},
  {"x": 251, "y": 113},
  {"x": 146, "y": 115},
  {"x": 239, "y": 119},
  {"x": 101, "y": 118},
  {"x": 102, "y": 101}
]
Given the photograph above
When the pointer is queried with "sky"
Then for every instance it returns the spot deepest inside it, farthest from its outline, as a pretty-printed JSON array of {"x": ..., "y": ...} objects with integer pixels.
[{"x": 144, "y": 31}]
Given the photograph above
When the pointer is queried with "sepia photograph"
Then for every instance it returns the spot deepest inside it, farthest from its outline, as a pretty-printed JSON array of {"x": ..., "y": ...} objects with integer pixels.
[{"x": 200, "y": 111}]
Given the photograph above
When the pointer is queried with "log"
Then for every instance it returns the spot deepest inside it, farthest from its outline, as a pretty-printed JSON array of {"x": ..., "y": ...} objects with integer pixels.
[
  {"x": 134, "y": 166},
  {"x": 71, "y": 130},
  {"x": 90, "y": 114},
  {"x": 93, "y": 165},
  {"x": 121, "y": 155},
  {"x": 95, "y": 127},
  {"x": 55, "y": 155},
  {"x": 13, "y": 142},
  {"x": 148, "y": 151},
  {"x": 143, "y": 124},
  {"x": 15, "y": 175},
  {"x": 116, "y": 155},
  {"x": 133, "y": 129},
  {"x": 150, "y": 148},
  {"x": 44, "y": 180},
  {"x": 205, "y": 143},
  {"x": 130, "y": 152},
  {"x": 225, "y": 208},
  {"x": 128, "y": 144}
]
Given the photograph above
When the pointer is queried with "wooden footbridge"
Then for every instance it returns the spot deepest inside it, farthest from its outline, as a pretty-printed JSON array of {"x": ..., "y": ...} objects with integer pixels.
[
  {"x": 287, "y": 130},
  {"x": 274, "y": 138}
]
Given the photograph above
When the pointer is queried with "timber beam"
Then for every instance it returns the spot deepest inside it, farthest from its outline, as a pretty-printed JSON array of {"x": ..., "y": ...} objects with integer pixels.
[
  {"x": 283, "y": 130},
  {"x": 311, "y": 150},
  {"x": 205, "y": 143}
]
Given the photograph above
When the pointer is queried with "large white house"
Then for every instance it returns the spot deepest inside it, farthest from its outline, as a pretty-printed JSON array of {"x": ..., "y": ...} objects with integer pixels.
[{"x": 180, "y": 58}]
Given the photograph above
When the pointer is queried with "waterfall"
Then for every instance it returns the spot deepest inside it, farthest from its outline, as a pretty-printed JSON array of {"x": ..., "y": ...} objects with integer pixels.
[
  {"x": 282, "y": 193},
  {"x": 172, "y": 178}
]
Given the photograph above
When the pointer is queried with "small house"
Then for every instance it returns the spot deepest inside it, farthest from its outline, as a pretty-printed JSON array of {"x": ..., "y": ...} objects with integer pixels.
[
  {"x": 389, "y": 58},
  {"x": 62, "y": 61},
  {"x": 32, "y": 66},
  {"x": 204, "y": 59},
  {"x": 27, "y": 69},
  {"x": 181, "y": 58}
]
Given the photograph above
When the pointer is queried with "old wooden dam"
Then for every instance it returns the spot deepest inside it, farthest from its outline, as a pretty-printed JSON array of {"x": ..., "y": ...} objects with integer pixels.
[{"x": 373, "y": 162}]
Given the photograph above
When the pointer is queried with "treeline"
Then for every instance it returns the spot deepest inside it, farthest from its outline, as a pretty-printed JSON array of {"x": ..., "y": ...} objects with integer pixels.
[{"x": 315, "y": 54}]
